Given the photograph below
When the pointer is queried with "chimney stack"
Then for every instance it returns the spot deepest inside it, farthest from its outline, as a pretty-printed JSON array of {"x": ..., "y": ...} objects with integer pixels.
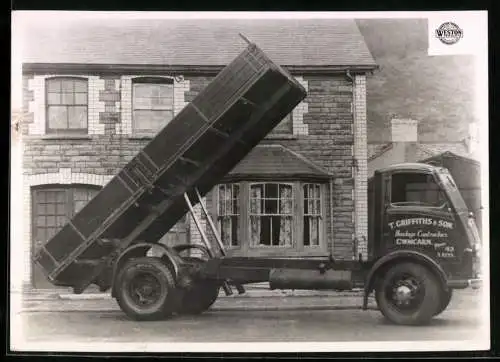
[
  {"x": 404, "y": 130},
  {"x": 405, "y": 138}
]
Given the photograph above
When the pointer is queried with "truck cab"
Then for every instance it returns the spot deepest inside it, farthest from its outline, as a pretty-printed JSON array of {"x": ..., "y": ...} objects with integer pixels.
[
  {"x": 418, "y": 207},
  {"x": 417, "y": 215}
]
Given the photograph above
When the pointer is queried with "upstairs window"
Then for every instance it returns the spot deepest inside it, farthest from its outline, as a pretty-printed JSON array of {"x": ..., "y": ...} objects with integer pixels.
[
  {"x": 67, "y": 105},
  {"x": 284, "y": 127},
  {"x": 153, "y": 104}
]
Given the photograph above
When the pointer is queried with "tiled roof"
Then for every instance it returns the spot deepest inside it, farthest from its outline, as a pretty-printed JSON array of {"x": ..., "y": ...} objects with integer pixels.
[
  {"x": 433, "y": 149},
  {"x": 376, "y": 149},
  {"x": 276, "y": 161},
  {"x": 423, "y": 151},
  {"x": 449, "y": 155},
  {"x": 296, "y": 42}
]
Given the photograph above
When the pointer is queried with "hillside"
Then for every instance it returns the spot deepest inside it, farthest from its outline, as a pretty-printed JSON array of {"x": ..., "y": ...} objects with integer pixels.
[{"x": 435, "y": 90}]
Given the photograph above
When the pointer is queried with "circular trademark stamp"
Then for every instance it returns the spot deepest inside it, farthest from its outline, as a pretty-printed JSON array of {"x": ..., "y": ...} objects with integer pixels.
[{"x": 449, "y": 33}]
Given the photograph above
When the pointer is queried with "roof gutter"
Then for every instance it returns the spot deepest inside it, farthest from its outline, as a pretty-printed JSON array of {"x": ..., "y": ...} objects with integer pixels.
[{"x": 151, "y": 69}]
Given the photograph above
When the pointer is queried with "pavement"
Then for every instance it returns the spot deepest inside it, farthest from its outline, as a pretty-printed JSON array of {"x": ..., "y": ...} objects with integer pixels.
[
  {"x": 255, "y": 298},
  {"x": 258, "y": 298}
]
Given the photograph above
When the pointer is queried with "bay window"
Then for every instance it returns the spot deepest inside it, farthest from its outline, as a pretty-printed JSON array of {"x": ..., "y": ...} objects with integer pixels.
[{"x": 271, "y": 215}]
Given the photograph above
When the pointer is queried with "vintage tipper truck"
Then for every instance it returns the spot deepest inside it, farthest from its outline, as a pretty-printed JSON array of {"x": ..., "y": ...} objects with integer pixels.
[{"x": 422, "y": 243}]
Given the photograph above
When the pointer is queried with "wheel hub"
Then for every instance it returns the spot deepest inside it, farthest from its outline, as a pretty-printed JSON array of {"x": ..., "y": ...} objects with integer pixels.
[
  {"x": 405, "y": 291},
  {"x": 146, "y": 290},
  {"x": 403, "y": 294}
]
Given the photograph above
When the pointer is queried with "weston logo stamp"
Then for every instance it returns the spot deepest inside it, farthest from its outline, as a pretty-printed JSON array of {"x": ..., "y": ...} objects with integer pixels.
[{"x": 449, "y": 33}]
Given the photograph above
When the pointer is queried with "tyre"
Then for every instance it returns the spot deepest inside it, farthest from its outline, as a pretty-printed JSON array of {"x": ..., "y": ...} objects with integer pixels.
[
  {"x": 145, "y": 289},
  {"x": 408, "y": 294},
  {"x": 199, "y": 296},
  {"x": 444, "y": 301}
]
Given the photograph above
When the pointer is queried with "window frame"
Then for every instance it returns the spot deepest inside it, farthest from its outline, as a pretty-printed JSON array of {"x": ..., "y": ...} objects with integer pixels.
[
  {"x": 55, "y": 131},
  {"x": 320, "y": 216},
  {"x": 152, "y": 81},
  {"x": 240, "y": 216},
  {"x": 415, "y": 203},
  {"x": 293, "y": 215}
]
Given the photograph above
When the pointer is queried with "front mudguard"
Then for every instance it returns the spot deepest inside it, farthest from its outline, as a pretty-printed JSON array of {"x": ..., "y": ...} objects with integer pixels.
[{"x": 399, "y": 256}]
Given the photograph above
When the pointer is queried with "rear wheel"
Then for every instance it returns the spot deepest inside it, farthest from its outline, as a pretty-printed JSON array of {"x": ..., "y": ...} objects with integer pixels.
[
  {"x": 445, "y": 301},
  {"x": 408, "y": 294},
  {"x": 145, "y": 289},
  {"x": 199, "y": 296}
]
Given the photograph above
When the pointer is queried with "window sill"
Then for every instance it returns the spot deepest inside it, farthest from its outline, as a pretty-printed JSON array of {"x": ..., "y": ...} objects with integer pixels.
[
  {"x": 141, "y": 137},
  {"x": 281, "y": 137},
  {"x": 279, "y": 252},
  {"x": 63, "y": 136}
]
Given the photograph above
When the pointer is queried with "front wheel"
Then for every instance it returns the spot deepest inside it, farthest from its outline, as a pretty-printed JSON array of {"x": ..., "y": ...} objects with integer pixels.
[
  {"x": 408, "y": 294},
  {"x": 145, "y": 289},
  {"x": 444, "y": 301}
]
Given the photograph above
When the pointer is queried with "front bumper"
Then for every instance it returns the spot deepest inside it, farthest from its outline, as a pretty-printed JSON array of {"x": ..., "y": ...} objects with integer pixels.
[{"x": 464, "y": 283}]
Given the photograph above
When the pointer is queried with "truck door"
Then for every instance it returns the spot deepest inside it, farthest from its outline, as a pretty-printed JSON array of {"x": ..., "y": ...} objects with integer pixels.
[{"x": 419, "y": 217}]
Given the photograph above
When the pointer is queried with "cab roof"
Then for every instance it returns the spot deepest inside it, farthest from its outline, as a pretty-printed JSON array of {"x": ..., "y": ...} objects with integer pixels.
[{"x": 408, "y": 166}]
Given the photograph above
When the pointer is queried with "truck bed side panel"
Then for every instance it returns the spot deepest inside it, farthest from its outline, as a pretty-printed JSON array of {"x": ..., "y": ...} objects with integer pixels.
[{"x": 203, "y": 142}]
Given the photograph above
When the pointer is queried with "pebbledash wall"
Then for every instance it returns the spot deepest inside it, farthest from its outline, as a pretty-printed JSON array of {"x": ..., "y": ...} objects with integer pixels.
[{"x": 329, "y": 128}]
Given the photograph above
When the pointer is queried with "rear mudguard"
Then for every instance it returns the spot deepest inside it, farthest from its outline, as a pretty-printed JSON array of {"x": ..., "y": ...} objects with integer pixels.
[
  {"x": 141, "y": 249},
  {"x": 399, "y": 256},
  {"x": 171, "y": 254}
]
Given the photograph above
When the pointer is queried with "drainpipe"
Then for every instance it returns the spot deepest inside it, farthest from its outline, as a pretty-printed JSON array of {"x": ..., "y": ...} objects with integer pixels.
[
  {"x": 355, "y": 241},
  {"x": 331, "y": 211}
]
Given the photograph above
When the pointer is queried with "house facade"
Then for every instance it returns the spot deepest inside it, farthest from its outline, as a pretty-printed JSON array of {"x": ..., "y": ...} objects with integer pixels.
[{"x": 92, "y": 99}]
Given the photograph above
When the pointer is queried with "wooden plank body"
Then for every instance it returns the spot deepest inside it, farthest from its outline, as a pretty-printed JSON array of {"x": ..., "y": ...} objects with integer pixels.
[{"x": 203, "y": 142}]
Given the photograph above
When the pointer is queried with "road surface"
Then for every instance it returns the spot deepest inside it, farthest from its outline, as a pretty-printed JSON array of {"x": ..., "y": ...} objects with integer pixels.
[{"x": 460, "y": 324}]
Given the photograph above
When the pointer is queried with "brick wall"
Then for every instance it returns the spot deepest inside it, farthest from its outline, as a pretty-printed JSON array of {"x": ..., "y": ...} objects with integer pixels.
[
  {"x": 323, "y": 131},
  {"x": 93, "y": 158},
  {"x": 329, "y": 143}
]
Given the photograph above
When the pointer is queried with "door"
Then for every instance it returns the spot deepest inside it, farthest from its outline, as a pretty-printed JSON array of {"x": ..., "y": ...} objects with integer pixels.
[
  {"x": 52, "y": 207},
  {"x": 419, "y": 217}
]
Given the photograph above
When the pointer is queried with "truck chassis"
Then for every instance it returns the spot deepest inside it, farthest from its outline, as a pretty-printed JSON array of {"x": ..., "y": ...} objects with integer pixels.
[{"x": 407, "y": 290}]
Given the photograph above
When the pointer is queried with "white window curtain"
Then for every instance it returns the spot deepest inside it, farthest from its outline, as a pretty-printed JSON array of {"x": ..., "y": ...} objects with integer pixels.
[
  {"x": 255, "y": 212},
  {"x": 286, "y": 215}
]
